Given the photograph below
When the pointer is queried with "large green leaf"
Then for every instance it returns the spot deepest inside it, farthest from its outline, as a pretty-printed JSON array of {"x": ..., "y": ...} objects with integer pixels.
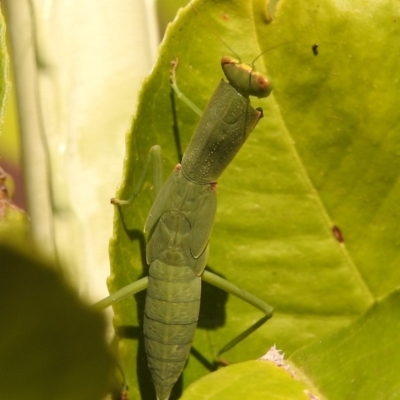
[
  {"x": 307, "y": 216},
  {"x": 362, "y": 360},
  {"x": 256, "y": 380}
]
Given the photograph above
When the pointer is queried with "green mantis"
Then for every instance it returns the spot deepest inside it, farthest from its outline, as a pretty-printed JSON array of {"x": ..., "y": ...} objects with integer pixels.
[
  {"x": 180, "y": 223},
  {"x": 182, "y": 217}
]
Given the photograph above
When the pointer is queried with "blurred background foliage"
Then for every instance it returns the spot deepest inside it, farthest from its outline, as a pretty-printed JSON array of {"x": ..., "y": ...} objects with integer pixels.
[{"x": 10, "y": 142}]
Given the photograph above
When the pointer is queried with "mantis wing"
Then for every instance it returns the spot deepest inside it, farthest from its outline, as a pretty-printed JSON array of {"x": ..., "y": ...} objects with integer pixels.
[{"x": 196, "y": 203}]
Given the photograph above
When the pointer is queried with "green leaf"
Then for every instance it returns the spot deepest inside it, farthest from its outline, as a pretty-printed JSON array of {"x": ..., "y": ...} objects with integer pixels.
[
  {"x": 51, "y": 345},
  {"x": 256, "y": 380},
  {"x": 362, "y": 360},
  {"x": 307, "y": 212}
]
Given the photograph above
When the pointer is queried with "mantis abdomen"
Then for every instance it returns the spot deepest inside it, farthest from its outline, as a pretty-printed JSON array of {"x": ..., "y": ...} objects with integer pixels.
[{"x": 169, "y": 325}]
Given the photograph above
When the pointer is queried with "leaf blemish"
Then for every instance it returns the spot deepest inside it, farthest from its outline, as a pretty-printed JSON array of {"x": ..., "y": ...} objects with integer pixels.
[{"x": 337, "y": 233}]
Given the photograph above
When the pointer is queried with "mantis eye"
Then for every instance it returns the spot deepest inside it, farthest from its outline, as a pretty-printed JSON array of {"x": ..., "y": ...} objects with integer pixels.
[{"x": 262, "y": 85}]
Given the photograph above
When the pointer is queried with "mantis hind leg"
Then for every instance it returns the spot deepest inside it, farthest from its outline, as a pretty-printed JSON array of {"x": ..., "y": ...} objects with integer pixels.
[
  {"x": 245, "y": 296},
  {"x": 121, "y": 294}
]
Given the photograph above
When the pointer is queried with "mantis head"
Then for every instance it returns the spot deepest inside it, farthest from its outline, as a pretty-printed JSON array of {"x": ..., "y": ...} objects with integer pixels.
[{"x": 245, "y": 79}]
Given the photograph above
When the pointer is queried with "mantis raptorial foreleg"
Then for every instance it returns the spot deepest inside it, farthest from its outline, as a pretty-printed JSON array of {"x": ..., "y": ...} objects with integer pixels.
[{"x": 177, "y": 91}]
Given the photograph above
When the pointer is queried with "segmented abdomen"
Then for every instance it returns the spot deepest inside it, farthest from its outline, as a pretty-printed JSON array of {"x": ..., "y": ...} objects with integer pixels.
[{"x": 171, "y": 314}]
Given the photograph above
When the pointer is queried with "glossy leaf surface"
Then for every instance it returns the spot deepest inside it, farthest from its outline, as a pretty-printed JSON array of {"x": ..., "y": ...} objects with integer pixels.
[{"x": 307, "y": 212}]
